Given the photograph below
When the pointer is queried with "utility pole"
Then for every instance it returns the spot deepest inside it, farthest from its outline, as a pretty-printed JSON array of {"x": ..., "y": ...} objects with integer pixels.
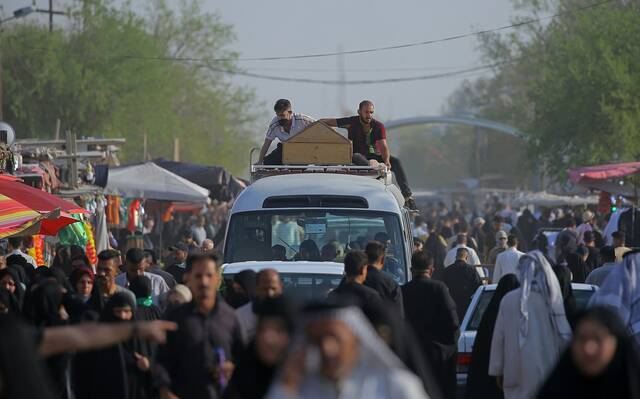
[
  {"x": 50, "y": 16},
  {"x": 342, "y": 87},
  {"x": 176, "y": 149}
]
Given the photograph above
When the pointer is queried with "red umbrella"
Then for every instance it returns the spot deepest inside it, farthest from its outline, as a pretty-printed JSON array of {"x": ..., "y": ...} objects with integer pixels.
[
  {"x": 34, "y": 198},
  {"x": 54, "y": 222}
]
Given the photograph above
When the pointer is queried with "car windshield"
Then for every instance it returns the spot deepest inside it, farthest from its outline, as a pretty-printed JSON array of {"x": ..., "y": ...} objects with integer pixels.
[
  {"x": 313, "y": 235},
  {"x": 582, "y": 299},
  {"x": 303, "y": 287}
]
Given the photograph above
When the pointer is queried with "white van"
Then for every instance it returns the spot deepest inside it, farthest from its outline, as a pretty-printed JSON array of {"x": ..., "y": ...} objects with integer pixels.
[{"x": 297, "y": 211}]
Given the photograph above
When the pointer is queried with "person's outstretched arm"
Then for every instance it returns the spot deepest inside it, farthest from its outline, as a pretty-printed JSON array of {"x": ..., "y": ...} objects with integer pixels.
[{"x": 82, "y": 337}]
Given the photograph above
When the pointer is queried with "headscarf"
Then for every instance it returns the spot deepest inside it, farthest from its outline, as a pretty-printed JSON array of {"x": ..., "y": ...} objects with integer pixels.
[
  {"x": 141, "y": 288},
  {"x": 247, "y": 280},
  {"x": 621, "y": 291},
  {"x": 535, "y": 274},
  {"x": 252, "y": 378},
  {"x": 77, "y": 274},
  {"x": 44, "y": 272},
  {"x": 9, "y": 301},
  {"x": 479, "y": 383},
  {"x": 117, "y": 300},
  {"x": 618, "y": 380},
  {"x": 19, "y": 293},
  {"x": 43, "y": 304}
]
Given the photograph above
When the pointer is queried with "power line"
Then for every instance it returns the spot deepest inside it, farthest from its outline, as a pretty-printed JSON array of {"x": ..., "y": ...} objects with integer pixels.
[
  {"x": 360, "y": 82},
  {"x": 386, "y": 48}
]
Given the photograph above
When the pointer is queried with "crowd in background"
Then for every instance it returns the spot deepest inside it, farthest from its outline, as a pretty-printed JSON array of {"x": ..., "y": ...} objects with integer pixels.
[{"x": 243, "y": 337}]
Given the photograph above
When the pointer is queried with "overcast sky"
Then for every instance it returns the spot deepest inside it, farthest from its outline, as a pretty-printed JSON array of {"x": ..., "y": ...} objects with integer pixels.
[{"x": 266, "y": 28}]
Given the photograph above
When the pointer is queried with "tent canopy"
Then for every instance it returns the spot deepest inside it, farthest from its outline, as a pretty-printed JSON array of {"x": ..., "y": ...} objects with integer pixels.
[
  {"x": 150, "y": 181},
  {"x": 221, "y": 184},
  {"x": 545, "y": 199},
  {"x": 603, "y": 172}
]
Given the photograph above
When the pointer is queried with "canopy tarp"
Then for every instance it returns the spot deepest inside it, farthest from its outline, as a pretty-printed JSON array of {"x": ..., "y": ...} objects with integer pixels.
[
  {"x": 545, "y": 199},
  {"x": 221, "y": 184},
  {"x": 150, "y": 181},
  {"x": 603, "y": 172}
]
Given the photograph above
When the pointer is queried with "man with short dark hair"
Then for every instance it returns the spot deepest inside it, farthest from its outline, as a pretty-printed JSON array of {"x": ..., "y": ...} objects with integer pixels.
[
  {"x": 105, "y": 280},
  {"x": 268, "y": 285},
  {"x": 135, "y": 266},
  {"x": 180, "y": 254},
  {"x": 462, "y": 280},
  {"x": 619, "y": 245},
  {"x": 369, "y": 138},
  {"x": 199, "y": 357},
  {"x": 352, "y": 289},
  {"x": 381, "y": 282},
  {"x": 599, "y": 274},
  {"x": 152, "y": 267},
  {"x": 283, "y": 126},
  {"x": 15, "y": 246},
  {"x": 431, "y": 312}
]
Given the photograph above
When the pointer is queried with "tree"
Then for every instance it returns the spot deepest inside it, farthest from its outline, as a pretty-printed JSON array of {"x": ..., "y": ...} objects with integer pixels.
[
  {"x": 114, "y": 73},
  {"x": 569, "y": 83}
]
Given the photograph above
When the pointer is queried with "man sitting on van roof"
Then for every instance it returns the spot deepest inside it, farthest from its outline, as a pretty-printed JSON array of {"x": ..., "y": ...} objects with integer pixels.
[
  {"x": 369, "y": 139},
  {"x": 283, "y": 126}
]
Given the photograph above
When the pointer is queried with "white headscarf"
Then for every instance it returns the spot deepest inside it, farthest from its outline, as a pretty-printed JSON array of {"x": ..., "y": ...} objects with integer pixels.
[
  {"x": 621, "y": 292},
  {"x": 535, "y": 274}
]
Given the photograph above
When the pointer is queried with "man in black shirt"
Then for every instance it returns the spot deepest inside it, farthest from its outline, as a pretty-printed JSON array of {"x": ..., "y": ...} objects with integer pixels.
[
  {"x": 369, "y": 138},
  {"x": 431, "y": 312},
  {"x": 198, "y": 358},
  {"x": 352, "y": 289},
  {"x": 380, "y": 281},
  {"x": 462, "y": 280},
  {"x": 180, "y": 254}
]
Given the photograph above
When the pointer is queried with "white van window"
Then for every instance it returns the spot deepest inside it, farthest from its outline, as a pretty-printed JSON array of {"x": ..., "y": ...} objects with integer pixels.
[{"x": 313, "y": 235}]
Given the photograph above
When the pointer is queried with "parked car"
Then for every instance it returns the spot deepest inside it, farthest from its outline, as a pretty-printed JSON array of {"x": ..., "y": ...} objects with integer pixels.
[
  {"x": 303, "y": 281},
  {"x": 473, "y": 316}
]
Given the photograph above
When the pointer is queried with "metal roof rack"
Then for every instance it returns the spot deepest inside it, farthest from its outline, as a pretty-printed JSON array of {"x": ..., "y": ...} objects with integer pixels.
[{"x": 259, "y": 171}]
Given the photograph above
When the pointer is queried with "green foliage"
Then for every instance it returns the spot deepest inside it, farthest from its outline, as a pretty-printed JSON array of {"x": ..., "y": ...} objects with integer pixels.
[
  {"x": 570, "y": 84},
  {"x": 109, "y": 74}
]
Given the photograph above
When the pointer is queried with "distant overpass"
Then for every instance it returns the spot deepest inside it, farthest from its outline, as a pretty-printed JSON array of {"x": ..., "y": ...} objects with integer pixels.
[{"x": 455, "y": 120}]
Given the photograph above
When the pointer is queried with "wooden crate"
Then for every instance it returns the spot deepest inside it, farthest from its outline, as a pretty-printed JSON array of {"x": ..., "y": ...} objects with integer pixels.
[{"x": 318, "y": 144}]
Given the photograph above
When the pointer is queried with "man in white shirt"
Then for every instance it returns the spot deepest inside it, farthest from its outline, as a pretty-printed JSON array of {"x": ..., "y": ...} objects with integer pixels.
[
  {"x": 14, "y": 247},
  {"x": 283, "y": 126},
  {"x": 507, "y": 261},
  {"x": 461, "y": 242},
  {"x": 268, "y": 285},
  {"x": 135, "y": 267}
]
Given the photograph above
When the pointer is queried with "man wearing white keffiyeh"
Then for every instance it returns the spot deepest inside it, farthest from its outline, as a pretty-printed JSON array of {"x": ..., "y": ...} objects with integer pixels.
[
  {"x": 531, "y": 329},
  {"x": 621, "y": 292}
]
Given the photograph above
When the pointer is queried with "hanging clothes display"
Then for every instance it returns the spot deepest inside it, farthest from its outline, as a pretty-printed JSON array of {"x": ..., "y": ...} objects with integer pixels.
[
  {"x": 101, "y": 231},
  {"x": 74, "y": 234},
  {"x": 113, "y": 210}
]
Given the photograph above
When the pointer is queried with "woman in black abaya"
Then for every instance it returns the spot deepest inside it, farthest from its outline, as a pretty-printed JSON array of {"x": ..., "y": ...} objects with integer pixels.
[
  {"x": 479, "y": 383},
  {"x": 121, "y": 371},
  {"x": 601, "y": 362}
]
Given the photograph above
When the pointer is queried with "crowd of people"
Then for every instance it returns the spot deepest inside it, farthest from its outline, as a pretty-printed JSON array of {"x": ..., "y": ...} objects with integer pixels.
[{"x": 142, "y": 324}]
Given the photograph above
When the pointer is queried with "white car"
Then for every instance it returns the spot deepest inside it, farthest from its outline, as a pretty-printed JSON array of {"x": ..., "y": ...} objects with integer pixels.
[
  {"x": 303, "y": 281},
  {"x": 475, "y": 311}
]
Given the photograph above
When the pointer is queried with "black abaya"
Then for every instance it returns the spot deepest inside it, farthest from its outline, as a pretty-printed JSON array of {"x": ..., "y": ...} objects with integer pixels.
[
  {"x": 479, "y": 383},
  {"x": 619, "y": 380}
]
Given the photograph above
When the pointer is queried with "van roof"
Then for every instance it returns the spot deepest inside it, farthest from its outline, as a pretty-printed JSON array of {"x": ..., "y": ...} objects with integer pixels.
[{"x": 380, "y": 196}]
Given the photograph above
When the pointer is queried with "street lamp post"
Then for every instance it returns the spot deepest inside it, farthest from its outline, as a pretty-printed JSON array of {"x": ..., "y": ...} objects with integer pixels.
[{"x": 19, "y": 13}]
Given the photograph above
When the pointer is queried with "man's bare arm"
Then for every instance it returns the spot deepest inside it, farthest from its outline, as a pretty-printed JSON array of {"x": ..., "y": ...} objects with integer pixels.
[
  {"x": 386, "y": 156},
  {"x": 82, "y": 337},
  {"x": 264, "y": 149}
]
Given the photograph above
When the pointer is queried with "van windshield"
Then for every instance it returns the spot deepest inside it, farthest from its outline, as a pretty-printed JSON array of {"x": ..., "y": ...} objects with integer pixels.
[{"x": 313, "y": 235}]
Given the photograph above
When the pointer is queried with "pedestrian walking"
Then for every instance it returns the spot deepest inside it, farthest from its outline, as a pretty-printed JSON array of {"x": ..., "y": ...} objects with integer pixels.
[
  {"x": 531, "y": 330},
  {"x": 462, "y": 281},
  {"x": 431, "y": 312}
]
